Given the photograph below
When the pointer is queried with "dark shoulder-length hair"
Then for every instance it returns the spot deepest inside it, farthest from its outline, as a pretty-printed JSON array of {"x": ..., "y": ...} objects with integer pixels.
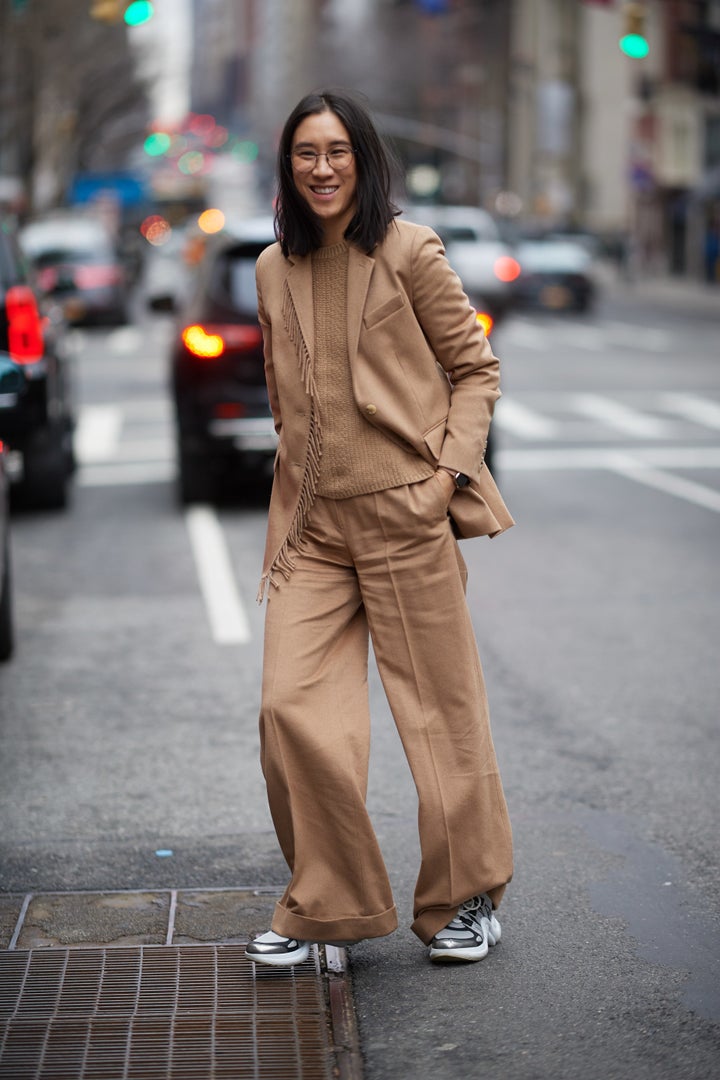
[{"x": 297, "y": 228}]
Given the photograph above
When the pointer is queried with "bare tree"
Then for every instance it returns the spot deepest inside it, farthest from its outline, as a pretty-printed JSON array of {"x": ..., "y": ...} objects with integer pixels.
[{"x": 71, "y": 98}]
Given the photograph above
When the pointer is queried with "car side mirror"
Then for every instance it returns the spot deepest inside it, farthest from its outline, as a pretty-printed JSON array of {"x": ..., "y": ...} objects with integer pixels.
[{"x": 162, "y": 302}]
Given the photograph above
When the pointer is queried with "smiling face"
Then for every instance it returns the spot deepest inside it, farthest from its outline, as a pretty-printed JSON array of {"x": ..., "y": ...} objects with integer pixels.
[{"x": 329, "y": 193}]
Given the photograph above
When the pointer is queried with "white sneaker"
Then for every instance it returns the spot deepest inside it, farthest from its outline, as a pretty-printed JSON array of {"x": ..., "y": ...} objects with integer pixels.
[
  {"x": 277, "y": 951},
  {"x": 469, "y": 935}
]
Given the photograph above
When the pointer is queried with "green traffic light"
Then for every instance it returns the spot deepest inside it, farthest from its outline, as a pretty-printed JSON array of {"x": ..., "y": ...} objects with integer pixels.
[
  {"x": 139, "y": 12},
  {"x": 157, "y": 143},
  {"x": 634, "y": 45}
]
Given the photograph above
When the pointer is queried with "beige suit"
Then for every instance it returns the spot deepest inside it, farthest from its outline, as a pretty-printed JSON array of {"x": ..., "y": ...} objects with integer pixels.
[{"x": 387, "y": 563}]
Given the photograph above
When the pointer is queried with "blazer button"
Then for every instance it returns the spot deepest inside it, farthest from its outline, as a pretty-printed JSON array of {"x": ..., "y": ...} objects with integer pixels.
[{"x": 371, "y": 409}]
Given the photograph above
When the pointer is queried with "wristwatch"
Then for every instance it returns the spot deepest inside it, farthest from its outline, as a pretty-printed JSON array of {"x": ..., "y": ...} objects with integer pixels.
[{"x": 461, "y": 480}]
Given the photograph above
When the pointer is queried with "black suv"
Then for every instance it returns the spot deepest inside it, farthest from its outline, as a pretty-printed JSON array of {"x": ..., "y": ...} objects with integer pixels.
[
  {"x": 224, "y": 425},
  {"x": 37, "y": 421},
  {"x": 11, "y": 382}
]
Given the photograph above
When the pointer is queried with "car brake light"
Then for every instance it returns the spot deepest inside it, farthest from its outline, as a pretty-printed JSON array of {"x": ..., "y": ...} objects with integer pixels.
[
  {"x": 506, "y": 268},
  {"x": 242, "y": 337},
  {"x": 230, "y": 410},
  {"x": 25, "y": 338},
  {"x": 200, "y": 343},
  {"x": 486, "y": 321},
  {"x": 209, "y": 342},
  {"x": 96, "y": 276}
]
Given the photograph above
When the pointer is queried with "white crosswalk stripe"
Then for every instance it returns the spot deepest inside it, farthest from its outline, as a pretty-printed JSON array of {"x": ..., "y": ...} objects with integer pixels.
[
  {"x": 698, "y": 410},
  {"x": 131, "y": 442},
  {"x": 527, "y": 423},
  {"x": 620, "y": 417}
]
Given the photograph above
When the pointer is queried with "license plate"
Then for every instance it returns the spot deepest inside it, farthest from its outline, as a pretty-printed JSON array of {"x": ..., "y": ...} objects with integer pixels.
[
  {"x": 555, "y": 296},
  {"x": 74, "y": 309}
]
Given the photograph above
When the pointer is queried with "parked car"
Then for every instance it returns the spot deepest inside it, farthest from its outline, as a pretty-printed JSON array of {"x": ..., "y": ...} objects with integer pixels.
[
  {"x": 485, "y": 263},
  {"x": 556, "y": 273},
  {"x": 37, "y": 422},
  {"x": 224, "y": 425},
  {"x": 11, "y": 382},
  {"x": 76, "y": 263}
]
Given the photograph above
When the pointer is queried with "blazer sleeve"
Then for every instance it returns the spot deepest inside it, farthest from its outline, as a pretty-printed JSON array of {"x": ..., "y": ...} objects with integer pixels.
[{"x": 461, "y": 348}]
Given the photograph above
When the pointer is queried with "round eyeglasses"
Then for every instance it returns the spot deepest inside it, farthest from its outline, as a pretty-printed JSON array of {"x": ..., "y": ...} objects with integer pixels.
[{"x": 338, "y": 158}]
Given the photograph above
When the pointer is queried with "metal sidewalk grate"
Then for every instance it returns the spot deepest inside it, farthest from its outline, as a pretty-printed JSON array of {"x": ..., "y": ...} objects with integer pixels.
[{"x": 160, "y": 1013}]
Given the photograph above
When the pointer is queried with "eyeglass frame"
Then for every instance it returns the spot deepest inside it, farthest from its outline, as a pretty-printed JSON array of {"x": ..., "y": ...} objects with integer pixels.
[{"x": 318, "y": 154}]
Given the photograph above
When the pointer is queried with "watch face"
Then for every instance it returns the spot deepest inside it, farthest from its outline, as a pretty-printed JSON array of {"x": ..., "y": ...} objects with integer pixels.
[{"x": 461, "y": 480}]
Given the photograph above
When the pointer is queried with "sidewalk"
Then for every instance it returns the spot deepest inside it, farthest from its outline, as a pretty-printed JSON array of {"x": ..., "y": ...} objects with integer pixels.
[
  {"x": 156, "y": 985},
  {"x": 669, "y": 293}
]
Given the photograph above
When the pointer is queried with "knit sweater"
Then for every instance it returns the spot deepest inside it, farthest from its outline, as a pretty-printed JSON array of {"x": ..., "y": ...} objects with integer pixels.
[{"x": 357, "y": 457}]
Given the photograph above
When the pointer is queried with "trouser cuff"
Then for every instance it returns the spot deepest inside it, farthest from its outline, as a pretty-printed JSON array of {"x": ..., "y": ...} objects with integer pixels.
[{"x": 355, "y": 928}]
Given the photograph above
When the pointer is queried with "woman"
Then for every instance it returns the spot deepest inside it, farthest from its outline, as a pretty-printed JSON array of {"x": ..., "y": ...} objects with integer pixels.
[{"x": 380, "y": 461}]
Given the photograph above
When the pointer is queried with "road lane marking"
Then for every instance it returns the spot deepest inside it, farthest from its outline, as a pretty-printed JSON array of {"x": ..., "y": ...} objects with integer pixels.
[
  {"x": 226, "y": 614},
  {"x": 520, "y": 332},
  {"x": 149, "y": 450},
  {"x": 621, "y": 417},
  {"x": 569, "y": 458},
  {"x": 690, "y": 407},
  {"x": 527, "y": 423},
  {"x": 643, "y": 467},
  {"x": 126, "y": 474},
  {"x": 97, "y": 433},
  {"x": 669, "y": 483},
  {"x": 125, "y": 340}
]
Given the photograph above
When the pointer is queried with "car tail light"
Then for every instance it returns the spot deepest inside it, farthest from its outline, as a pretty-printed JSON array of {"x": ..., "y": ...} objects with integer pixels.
[
  {"x": 97, "y": 277},
  {"x": 25, "y": 337},
  {"x": 486, "y": 321},
  {"x": 209, "y": 342},
  {"x": 506, "y": 268},
  {"x": 230, "y": 410},
  {"x": 201, "y": 343}
]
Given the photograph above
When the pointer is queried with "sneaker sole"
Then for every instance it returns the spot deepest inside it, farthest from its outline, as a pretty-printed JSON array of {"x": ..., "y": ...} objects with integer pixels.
[
  {"x": 280, "y": 959},
  {"x": 469, "y": 955},
  {"x": 492, "y": 931}
]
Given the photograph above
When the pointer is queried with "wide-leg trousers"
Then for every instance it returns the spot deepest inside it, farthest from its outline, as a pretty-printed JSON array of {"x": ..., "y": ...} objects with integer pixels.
[{"x": 386, "y": 563}]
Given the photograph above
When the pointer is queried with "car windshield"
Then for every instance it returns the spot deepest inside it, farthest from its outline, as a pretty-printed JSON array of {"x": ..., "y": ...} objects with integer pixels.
[
  {"x": 71, "y": 255},
  {"x": 233, "y": 279},
  {"x": 552, "y": 255}
]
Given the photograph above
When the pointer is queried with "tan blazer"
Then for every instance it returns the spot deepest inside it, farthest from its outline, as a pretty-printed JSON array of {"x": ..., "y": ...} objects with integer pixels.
[{"x": 407, "y": 319}]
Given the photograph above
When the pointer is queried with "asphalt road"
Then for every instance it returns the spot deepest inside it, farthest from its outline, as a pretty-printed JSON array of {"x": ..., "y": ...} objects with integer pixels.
[{"x": 129, "y": 712}]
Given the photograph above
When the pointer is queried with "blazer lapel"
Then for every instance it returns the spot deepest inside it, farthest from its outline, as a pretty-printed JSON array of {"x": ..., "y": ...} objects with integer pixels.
[
  {"x": 299, "y": 283},
  {"x": 360, "y": 269}
]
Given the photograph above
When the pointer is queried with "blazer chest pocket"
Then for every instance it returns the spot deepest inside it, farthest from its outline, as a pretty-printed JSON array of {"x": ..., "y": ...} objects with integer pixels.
[{"x": 395, "y": 303}]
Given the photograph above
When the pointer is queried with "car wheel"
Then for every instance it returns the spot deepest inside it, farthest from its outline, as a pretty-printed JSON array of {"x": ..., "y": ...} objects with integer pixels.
[
  {"x": 45, "y": 469},
  {"x": 197, "y": 481},
  {"x": 6, "y": 623}
]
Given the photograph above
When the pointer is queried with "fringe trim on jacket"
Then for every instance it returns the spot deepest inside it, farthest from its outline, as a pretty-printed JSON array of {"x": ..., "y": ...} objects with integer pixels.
[{"x": 284, "y": 561}]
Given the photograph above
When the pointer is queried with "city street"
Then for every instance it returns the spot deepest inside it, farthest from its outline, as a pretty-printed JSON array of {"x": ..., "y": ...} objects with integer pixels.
[{"x": 129, "y": 712}]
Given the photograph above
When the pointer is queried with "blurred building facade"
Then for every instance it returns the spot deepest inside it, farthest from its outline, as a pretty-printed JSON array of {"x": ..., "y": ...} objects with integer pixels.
[
  {"x": 625, "y": 147},
  {"x": 520, "y": 105},
  {"x": 527, "y": 107}
]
